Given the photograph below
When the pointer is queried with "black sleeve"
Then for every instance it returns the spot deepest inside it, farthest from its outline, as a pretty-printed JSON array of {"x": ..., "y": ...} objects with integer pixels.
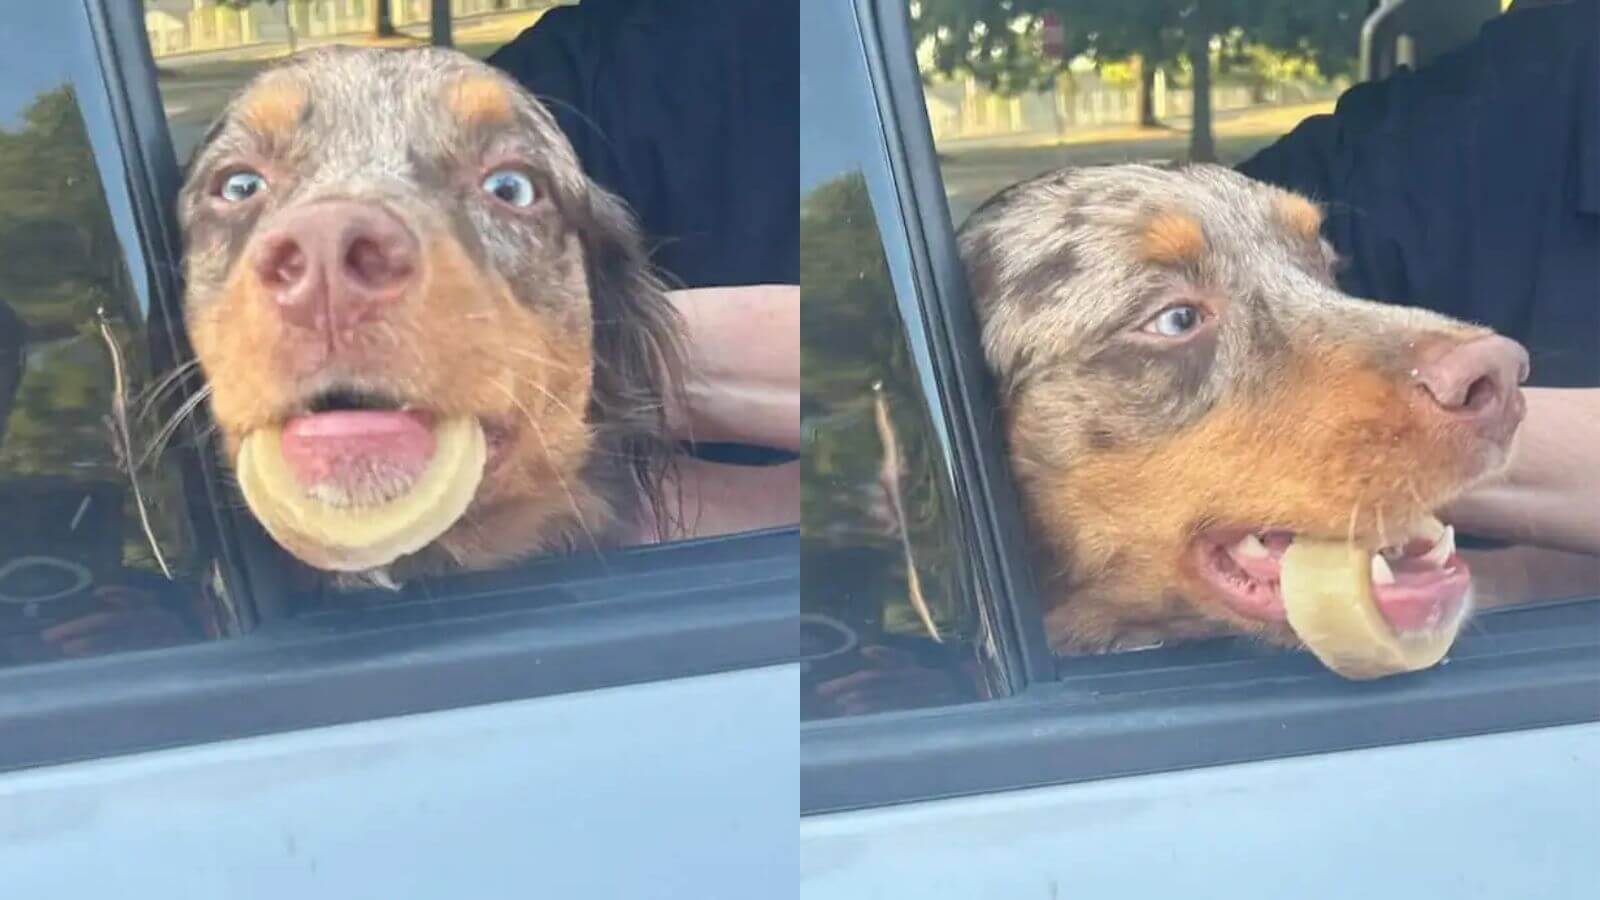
[
  {"x": 1337, "y": 160},
  {"x": 689, "y": 113},
  {"x": 549, "y": 61}
]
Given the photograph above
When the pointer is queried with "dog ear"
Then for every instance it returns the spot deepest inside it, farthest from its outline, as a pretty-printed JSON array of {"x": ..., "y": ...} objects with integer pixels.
[{"x": 638, "y": 351}]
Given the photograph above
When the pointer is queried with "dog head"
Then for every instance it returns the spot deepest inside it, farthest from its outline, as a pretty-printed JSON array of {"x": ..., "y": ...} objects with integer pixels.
[
  {"x": 408, "y": 232},
  {"x": 1186, "y": 391}
]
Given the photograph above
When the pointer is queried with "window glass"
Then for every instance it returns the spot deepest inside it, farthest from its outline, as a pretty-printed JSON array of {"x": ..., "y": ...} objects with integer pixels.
[
  {"x": 96, "y": 548},
  {"x": 206, "y": 52},
  {"x": 1012, "y": 96},
  {"x": 889, "y": 615}
]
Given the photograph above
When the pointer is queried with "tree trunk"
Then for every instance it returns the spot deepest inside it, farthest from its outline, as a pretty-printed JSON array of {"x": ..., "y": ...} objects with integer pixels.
[
  {"x": 440, "y": 23},
  {"x": 382, "y": 19},
  {"x": 1147, "y": 93},
  {"x": 1202, "y": 148},
  {"x": 288, "y": 24}
]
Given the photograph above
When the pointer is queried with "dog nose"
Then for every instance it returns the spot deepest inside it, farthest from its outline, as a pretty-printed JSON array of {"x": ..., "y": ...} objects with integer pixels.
[
  {"x": 1476, "y": 382},
  {"x": 336, "y": 264}
]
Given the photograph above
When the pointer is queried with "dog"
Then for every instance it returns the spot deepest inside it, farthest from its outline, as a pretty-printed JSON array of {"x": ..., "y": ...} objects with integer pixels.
[
  {"x": 1185, "y": 391},
  {"x": 409, "y": 232}
]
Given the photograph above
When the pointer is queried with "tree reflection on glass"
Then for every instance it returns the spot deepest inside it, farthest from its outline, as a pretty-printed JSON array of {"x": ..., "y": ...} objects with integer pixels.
[
  {"x": 64, "y": 277},
  {"x": 879, "y": 545}
]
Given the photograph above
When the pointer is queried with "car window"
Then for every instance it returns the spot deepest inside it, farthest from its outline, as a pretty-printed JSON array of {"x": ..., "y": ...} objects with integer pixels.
[
  {"x": 205, "y": 51},
  {"x": 120, "y": 530},
  {"x": 1010, "y": 97},
  {"x": 97, "y": 552},
  {"x": 890, "y": 618}
]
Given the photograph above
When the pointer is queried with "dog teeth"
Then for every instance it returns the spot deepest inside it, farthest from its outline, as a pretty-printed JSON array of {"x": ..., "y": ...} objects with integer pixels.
[
  {"x": 1430, "y": 528},
  {"x": 1250, "y": 547},
  {"x": 1381, "y": 573},
  {"x": 1443, "y": 548}
]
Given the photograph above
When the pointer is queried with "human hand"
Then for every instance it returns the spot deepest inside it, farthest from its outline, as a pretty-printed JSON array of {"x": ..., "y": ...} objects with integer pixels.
[{"x": 1548, "y": 493}]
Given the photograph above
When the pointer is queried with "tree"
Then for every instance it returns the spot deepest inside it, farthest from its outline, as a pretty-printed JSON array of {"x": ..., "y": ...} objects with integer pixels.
[
  {"x": 1000, "y": 42},
  {"x": 382, "y": 19},
  {"x": 439, "y": 23}
]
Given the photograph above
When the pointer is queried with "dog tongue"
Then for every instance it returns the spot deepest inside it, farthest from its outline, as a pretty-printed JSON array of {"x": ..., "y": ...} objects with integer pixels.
[{"x": 346, "y": 447}]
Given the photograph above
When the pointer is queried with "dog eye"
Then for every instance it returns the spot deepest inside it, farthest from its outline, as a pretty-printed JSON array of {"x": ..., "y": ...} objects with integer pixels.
[
  {"x": 1175, "y": 321},
  {"x": 510, "y": 186},
  {"x": 242, "y": 186}
]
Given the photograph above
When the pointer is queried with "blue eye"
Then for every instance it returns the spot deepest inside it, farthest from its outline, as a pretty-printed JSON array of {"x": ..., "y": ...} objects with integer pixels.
[
  {"x": 1175, "y": 321},
  {"x": 242, "y": 186},
  {"x": 510, "y": 186}
]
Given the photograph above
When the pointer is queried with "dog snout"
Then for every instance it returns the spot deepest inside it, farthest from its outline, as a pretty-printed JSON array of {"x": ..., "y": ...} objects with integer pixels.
[
  {"x": 1477, "y": 383},
  {"x": 336, "y": 264}
]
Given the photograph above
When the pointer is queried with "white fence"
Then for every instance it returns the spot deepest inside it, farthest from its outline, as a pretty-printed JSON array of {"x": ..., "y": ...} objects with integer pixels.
[
  {"x": 961, "y": 108},
  {"x": 194, "y": 26}
]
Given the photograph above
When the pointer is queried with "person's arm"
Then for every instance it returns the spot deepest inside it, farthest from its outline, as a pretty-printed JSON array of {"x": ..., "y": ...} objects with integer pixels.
[
  {"x": 1549, "y": 495},
  {"x": 742, "y": 385},
  {"x": 743, "y": 380}
]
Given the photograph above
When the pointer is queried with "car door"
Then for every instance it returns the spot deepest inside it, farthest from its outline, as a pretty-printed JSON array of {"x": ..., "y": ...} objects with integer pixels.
[
  {"x": 946, "y": 753},
  {"x": 179, "y": 719}
]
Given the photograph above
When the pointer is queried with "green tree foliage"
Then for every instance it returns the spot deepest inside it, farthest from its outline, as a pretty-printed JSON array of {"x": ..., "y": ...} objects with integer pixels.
[{"x": 1001, "y": 43}]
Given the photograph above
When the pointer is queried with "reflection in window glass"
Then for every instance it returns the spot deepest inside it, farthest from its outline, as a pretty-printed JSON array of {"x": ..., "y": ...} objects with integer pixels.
[
  {"x": 96, "y": 553},
  {"x": 889, "y": 608},
  {"x": 1411, "y": 217},
  {"x": 887, "y": 621}
]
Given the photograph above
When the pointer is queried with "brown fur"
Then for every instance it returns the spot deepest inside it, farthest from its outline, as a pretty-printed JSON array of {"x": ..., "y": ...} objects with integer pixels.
[
  {"x": 1291, "y": 407},
  {"x": 545, "y": 323},
  {"x": 1173, "y": 238},
  {"x": 480, "y": 100},
  {"x": 1301, "y": 215},
  {"x": 274, "y": 107}
]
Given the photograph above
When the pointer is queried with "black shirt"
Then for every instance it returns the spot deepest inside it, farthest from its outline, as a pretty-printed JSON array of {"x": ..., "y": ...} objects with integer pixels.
[
  {"x": 1472, "y": 187},
  {"x": 689, "y": 111}
]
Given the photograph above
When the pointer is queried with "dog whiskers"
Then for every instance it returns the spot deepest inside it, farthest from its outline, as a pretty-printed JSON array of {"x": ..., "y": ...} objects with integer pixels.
[
  {"x": 539, "y": 434},
  {"x": 542, "y": 360},
  {"x": 146, "y": 400},
  {"x": 164, "y": 435},
  {"x": 547, "y": 393}
]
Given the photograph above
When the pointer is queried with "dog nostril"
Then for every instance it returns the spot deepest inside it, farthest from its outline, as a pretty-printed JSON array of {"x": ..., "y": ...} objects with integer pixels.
[
  {"x": 1481, "y": 395},
  {"x": 375, "y": 264},
  {"x": 281, "y": 265}
]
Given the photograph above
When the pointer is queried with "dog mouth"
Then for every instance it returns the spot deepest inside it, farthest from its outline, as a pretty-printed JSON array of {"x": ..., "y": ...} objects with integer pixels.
[
  {"x": 1420, "y": 584},
  {"x": 349, "y": 447}
]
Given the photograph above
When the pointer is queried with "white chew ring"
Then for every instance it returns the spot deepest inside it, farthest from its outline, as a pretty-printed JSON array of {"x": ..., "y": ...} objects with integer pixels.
[
  {"x": 357, "y": 538},
  {"x": 1328, "y": 595}
]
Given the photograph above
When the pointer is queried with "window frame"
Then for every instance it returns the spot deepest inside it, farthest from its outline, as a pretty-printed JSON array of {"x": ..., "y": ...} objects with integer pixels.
[
  {"x": 1161, "y": 710},
  {"x": 557, "y": 625}
]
